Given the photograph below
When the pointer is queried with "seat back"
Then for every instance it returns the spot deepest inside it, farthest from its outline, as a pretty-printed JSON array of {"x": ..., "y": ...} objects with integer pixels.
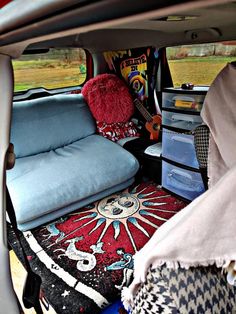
[{"x": 47, "y": 123}]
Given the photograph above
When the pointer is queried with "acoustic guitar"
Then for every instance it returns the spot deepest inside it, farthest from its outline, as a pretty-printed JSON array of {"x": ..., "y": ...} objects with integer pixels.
[{"x": 153, "y": 123}]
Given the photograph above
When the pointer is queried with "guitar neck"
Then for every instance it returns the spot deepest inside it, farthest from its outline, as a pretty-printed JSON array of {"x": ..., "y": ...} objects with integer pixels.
[{"x": 147, "y": 116}]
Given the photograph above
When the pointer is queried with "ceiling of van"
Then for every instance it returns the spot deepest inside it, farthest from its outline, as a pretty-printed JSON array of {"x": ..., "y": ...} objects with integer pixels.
[
  {"x": 118, "y": 24},
  {"x": 213, "y": 16}
]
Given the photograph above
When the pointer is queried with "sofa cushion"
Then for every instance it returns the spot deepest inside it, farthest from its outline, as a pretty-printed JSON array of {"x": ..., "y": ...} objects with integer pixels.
[
  {"x": 48, "y": 217},
  {"x": 47, "y": 123},
  {"x": 49, "y": 181}
]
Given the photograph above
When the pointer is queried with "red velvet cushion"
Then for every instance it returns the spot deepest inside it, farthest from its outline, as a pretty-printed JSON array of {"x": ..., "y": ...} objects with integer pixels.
[{"x": 108, "y": 98}]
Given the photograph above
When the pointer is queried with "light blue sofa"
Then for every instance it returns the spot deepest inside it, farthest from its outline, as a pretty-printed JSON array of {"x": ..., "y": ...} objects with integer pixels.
[{"x": 61, "y": 163}]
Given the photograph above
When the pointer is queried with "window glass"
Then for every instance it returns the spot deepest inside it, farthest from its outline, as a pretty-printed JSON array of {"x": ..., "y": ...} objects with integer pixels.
[
  {"x": 55, "y": 69},
  {"x": 199, "y": 64}
]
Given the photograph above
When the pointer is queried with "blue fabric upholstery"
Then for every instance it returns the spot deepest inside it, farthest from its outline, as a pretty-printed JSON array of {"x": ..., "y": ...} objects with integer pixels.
[
  {"x": 50, "y": 216},
  {"x": 47, "y": 123},
  {"x": 52, "y": 180}
]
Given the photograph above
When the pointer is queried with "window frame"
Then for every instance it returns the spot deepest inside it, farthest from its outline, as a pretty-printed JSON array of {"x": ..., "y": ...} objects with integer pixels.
[
  {"x": 215, "y": 59},
  {"x": 37, "y": 92}
]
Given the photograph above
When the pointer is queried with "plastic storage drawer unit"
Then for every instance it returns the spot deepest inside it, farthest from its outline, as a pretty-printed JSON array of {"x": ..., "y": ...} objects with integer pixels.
[
  {"x": 191, "y": 100},
  {"x": 183, "y": 182},
  {"x": 180, "y": 120},
  {"x": 179, "y": 147}
]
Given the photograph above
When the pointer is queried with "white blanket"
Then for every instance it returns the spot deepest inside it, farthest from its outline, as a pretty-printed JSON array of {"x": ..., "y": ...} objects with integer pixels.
[
  {"x": 204, "y": 232},
  {"x": 219, "y": 113}
]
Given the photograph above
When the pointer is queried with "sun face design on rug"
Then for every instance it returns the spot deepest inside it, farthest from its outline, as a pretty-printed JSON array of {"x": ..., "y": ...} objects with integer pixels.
[
  {"x": 119, "y": 207},
  {"x": 134, "y": 207},
  {"x": 91, "y": 250}
]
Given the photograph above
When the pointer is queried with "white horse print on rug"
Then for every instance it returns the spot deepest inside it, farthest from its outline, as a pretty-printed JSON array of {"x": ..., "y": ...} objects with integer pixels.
[{"x": 86, "y": 261}]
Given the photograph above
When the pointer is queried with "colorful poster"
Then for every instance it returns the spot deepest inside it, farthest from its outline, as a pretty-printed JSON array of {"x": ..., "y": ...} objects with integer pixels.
[
  {"x": 134, "y": 71},
  {"x": 138, "y": 68}
]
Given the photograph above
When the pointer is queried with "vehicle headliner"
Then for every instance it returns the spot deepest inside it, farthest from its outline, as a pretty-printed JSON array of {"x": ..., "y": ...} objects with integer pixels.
[{"x": 115, "y": 24}]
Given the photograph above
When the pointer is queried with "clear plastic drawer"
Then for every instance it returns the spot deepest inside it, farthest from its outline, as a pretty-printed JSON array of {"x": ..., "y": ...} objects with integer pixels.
[
  {"x": 185, "y": 183},
  {"x": 181, "y": 120},
  {"x": 179, "y": 148},
  {"x": 183, "y": 101}
]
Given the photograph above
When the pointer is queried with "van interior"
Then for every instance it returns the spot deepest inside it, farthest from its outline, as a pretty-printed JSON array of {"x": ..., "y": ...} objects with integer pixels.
[{"x": 102, "y": 140}]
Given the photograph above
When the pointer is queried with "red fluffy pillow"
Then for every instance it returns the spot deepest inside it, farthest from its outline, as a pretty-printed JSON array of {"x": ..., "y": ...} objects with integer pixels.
[{"x": 108, "y": 98}]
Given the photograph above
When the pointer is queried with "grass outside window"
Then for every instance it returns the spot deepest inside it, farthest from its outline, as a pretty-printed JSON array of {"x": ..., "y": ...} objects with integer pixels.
[
  {"x": 199, "y": 64},
  {"x": 56, "y": 69}
]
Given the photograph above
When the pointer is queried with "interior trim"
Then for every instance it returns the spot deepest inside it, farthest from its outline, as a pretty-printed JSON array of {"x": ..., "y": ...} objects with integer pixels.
[{"x": 17, "y": 46}]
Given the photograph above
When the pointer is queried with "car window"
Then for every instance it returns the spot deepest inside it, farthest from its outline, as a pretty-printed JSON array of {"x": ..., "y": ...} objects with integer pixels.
[
  {"x": 199, "y": 64},
  {"x": 56, "y": 68}
]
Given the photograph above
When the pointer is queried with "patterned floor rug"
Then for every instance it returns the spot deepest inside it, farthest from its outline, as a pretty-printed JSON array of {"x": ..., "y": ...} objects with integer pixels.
[{"x": 86, "y": 257}]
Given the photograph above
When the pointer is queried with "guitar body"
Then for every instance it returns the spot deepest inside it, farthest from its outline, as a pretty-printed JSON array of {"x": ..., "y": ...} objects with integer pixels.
[
  {"x": 154, "y": 127},
  {"x": 153, "y": 123}
]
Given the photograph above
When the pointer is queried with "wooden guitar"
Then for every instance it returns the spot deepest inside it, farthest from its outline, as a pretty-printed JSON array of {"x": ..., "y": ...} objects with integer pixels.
[{"x": 153, "y": 123}]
